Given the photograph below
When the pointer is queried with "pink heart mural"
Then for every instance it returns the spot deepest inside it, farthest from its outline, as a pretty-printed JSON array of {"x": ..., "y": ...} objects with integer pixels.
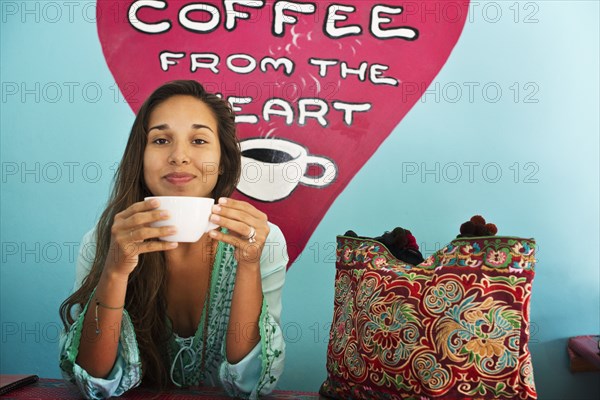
[{"x": 317, "y": 86}]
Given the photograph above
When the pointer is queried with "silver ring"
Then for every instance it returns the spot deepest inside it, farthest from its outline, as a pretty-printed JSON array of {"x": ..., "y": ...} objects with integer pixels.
[{"x": 252, "y": 235}]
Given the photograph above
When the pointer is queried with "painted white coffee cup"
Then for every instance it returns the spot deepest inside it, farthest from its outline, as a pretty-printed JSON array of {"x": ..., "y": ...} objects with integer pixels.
[
  {"x": 273, "y": 168},
  {"x": 188, "y": 214}
]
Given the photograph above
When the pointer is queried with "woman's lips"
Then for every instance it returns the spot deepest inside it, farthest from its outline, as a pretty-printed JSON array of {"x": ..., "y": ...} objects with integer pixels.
[{"x": 179, "y": 178}]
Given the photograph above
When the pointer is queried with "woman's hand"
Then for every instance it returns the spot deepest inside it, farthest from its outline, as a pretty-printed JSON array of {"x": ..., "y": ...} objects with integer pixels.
[
  {"x": 242, "y": 220},
  {"x": 129, "y": 233}
]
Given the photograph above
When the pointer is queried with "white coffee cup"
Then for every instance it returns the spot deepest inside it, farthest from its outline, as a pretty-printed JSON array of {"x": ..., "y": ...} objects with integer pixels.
[
  {"x": 188, "y": 214},
  {"x": 273, "y": 168}
]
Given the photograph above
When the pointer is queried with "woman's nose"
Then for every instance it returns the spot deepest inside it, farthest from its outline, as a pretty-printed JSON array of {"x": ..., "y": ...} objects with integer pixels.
[{"x": 179, "y": 154}]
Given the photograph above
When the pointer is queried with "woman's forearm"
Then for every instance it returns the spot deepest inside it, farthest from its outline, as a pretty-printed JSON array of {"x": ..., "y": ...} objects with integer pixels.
[
  {"x": 243, "y": 332},
  {"x": 100, "y": 337}
]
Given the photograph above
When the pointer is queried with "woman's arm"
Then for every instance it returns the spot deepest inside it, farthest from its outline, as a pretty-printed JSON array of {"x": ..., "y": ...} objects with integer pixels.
[
  {"x": 126, "y": 372},
  {"x": 256, "y": 285},
  {"x": 102, "y": 326},
  {"x": 102, "y": 323},
  {"x": 254, "y": 325},
  {"x": 243, "y": 331},
  {"x": 259, "y": 371},
  {"x": 241, "y": 219}
]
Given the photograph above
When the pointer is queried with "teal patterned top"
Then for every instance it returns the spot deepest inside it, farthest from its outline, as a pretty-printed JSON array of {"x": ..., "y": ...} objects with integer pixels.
[{"x": 256, "y": 374}]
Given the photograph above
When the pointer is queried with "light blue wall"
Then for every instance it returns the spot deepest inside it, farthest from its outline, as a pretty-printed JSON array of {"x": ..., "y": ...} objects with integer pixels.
[{"x": 550, "y": 130}]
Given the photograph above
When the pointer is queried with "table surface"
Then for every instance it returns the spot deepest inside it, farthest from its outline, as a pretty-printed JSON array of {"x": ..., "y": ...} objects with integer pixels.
[{"x": 60, "y": 389}]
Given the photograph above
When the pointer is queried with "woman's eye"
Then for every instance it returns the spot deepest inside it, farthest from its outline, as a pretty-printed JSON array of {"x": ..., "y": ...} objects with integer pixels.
[
  {"x": 198, "y": 141},
  {"x": 160, "y": 141}
]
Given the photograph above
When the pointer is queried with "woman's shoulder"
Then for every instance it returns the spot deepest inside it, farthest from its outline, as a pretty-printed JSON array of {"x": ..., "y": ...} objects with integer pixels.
[
  {"x": 275, "y": 233},
  {"x": 87, "y": 253},
  {"x": 90, "y": 235},
  {"x": 274, "y": 255},
  {"x": 87, "y": 247}
]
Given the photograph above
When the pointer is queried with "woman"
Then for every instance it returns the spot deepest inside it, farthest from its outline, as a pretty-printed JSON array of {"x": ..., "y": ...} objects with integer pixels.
[{"x": 203, "y": 313}]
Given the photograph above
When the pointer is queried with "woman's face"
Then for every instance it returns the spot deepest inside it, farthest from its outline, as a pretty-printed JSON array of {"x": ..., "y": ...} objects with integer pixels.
[{"x": 182, "y": 155}]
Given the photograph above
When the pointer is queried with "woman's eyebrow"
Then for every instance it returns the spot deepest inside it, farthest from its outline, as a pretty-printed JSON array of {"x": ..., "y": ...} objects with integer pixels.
[
  {"x": 201, "y": 126},
  {"x": 162, "y": 127}
]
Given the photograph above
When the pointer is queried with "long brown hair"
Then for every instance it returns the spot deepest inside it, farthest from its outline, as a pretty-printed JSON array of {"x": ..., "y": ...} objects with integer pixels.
[{"x": 146, "y": 289}]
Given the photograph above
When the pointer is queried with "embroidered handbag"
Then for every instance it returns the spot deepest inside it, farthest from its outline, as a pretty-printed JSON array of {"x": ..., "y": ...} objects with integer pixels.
[{"x": 455, "y": 326}]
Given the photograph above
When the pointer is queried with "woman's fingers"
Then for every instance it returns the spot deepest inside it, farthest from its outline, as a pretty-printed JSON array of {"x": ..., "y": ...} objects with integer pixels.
[
  {"x": 237, "y": 204},
  {"x": 240, "y": 208},
  {"x": 130, "y": 233},
  {"x": 243, "y": 229},
  {"x": 247, "y": 227},
  {"x": 249, "y": 252},
  {"x": 240, "y": 217},
  {"x": 156, "y": 245},
  {"x": 140, "y": 206},
  {"x": 133, "y": 224},
  {"x": 142, "y": 233},
  {"x": 146, "y": 217},
  {"x": 128, "y": 253}
]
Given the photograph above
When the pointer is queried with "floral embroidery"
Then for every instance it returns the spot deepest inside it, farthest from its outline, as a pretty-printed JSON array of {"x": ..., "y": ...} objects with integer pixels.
[
  {"x": 455, "y": 326},
  {"x": 496, "y": 258}
]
